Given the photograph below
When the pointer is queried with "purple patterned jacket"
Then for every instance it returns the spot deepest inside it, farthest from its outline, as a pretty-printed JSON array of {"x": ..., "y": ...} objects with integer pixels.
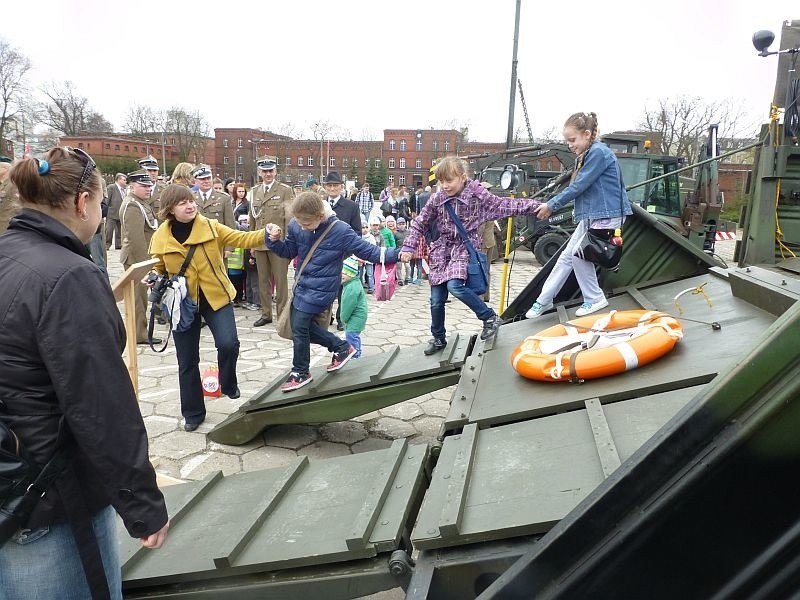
[{"x": 474, "y": 206}]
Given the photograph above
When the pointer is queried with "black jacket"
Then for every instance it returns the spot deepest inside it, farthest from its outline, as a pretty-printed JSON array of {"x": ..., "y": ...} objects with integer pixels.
[
  {"x": 347, "y": 211},
  {"x": 61, "y": 343}
]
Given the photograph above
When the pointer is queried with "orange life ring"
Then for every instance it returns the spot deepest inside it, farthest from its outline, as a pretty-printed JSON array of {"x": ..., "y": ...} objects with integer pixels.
[{"x": 596, "y": 345}]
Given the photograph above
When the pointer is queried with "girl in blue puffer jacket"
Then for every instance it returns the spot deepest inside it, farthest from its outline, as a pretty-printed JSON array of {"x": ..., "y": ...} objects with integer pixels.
[
  {"x": 320, "y": 278},
  {"x": 601, "y": 202}
]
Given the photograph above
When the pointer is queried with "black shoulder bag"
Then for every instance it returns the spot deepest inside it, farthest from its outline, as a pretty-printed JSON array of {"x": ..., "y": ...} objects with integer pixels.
[
  {"x": 478, "y": 268},
  {"x": 157, "y": 293},
  {"x": 22, "y": 483},
  {"x": 603, "y": 247}
]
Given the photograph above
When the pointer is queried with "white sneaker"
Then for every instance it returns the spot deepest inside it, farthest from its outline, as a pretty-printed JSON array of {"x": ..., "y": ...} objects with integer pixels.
[
  {"x": 588, "y": 308},
  {"x": 537, "y": 309}
]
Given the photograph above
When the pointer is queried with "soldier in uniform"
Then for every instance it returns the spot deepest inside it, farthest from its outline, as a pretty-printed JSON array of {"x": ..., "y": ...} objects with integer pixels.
[
  {"x": 150, "y": 164},
  {"x": 138, "y": 224},
  {"x": 211, "y": 203},
  {"x": 9, "y": 198},
  {"x": 271, "y": 203}
]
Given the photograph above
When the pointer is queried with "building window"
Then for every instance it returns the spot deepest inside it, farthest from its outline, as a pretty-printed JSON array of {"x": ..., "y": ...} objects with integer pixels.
[
  {"x": 391, "y": 178},
  {"x": 240, "y": 160},
  {"x": 391, "y": 144},
  {"x": 377, "y": 162},
  {"x": 135, "y": 149},
  {"x": 402, "y": 163},
  {"x": 288, "y": 161},
  {"x": 419, "y": 145},
  {"x": 355, "y": 163},
  {"x": 446, "y": 145},
  {"x": 126, "y": 147},
  {"x": 402, "y": 145},
  {"x": 345, "y": 163},
  {"x": 240, "y": 142},
  {"x": 418, "y": 163},
  {"x": 391, "y": 163},
  {"x": 108, "y": 146},
  {"x": 299, "y": 161},
  {"x": 224, "y": 160},
  {"x": 435, "y": 144},
  {"x": 224, "y": 142},
  {"x": 310, "y": 162},
  {"x": 80, "y": 145},
  {"x": 172, "y": 141},
  {"x": 331, "y": 161},
  {"x": 225, "y": 175},
  {"x": 433, "y": 162},
  {"x": 116, "y": 146},
  {"x": 402, "y": 180}
]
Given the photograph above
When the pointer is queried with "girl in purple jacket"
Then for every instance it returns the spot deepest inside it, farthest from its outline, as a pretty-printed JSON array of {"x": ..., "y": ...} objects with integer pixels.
[{"x": 474, "y": 205}]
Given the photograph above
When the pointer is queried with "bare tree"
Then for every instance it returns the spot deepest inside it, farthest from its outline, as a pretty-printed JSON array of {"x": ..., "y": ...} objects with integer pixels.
[
  {"x": 678, "y": 125},
  {"x": 188, "y": 129},
  {"x": 14, "y": 67},
  {"x": 69, "y": 113},
  {"x": 142, "y": 120}
]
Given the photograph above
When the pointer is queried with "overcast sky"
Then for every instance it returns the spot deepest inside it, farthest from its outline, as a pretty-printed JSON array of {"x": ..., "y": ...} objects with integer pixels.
[{"x": 367, "y": 65}]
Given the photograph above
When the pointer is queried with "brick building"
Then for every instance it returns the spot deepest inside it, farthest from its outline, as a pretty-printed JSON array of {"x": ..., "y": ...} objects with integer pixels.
[
  {"x": 116, "y": 149},
  {"x": 407, "y": 154}
]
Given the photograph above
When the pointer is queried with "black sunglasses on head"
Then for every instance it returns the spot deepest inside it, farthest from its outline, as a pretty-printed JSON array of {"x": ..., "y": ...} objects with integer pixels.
[{"x": 88, "y": 166}]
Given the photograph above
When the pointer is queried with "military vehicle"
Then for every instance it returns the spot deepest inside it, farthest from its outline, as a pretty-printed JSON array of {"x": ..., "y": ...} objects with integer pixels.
[{"x": 675, "y": 479}]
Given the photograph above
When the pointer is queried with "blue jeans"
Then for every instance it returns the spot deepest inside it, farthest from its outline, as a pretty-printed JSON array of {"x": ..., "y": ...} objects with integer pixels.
[
  {"x": 354, "y": 339},
  {"x": 456, "y": 287},
  {"x": 305, "y": 331},
  {"x": 369, "y": 269},
  {"x": 97, "y": 248},
  {"x": 187, "y": 348},
  {"x": 44, "y": 564}
]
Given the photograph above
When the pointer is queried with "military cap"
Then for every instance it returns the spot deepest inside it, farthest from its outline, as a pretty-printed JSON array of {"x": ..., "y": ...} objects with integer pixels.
[
  {"x": 4, "y": 159},
  {"x": 148, "y": 162},
  {"x": 265, "y": 163},
  {"x": 310, "y": 182},
  {"x": 141, "y": 177},
  {"x": 201, "y": 172}
]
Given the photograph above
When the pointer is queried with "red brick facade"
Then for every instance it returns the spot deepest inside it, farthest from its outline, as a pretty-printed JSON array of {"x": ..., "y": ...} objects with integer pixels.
[{"x": 121, "y": 146}]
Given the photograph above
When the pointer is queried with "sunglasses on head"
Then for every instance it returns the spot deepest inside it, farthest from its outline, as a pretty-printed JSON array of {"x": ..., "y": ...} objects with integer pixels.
[{"x": 88, "y": 166}]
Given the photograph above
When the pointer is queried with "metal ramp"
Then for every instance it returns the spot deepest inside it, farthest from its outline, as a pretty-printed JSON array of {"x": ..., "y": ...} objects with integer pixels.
[
  {"x": 331, "y": 525},
  {"x": 362, "y": 386},
  {"x": 494, "y": 400}
]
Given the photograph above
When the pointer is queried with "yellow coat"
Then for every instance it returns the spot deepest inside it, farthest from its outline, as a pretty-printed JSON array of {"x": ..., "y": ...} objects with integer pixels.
[{"x": 207, "y": 270}]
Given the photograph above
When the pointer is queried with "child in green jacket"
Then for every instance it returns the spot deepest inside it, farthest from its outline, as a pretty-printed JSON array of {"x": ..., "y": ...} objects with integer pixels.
[{"x": 353, "y": 304}]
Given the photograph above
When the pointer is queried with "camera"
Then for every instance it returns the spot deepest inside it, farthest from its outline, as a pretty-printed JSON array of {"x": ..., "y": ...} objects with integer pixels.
[{"x": 160, "y": 285}]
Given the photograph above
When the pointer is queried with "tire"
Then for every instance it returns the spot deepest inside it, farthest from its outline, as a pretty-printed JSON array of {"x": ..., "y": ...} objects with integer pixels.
[{"x": 547, "y": 245}]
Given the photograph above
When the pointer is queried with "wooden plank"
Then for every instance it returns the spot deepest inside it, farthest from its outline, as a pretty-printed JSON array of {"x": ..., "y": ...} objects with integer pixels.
[
  {"x": 456, "y": 497},
  {"x": 606, "y": 448},
  {"x": 375, "y": 496},
  {"x": 244, "y": 530}
]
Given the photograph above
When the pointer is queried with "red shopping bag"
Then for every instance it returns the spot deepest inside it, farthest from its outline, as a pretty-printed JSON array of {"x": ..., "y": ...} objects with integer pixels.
[
  {"x": 210, "y": 379},
  {"x": 386, "y": 281}
]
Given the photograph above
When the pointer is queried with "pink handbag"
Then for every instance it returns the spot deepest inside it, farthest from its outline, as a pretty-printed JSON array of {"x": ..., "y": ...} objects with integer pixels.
[{"x": 387, "y": 281}]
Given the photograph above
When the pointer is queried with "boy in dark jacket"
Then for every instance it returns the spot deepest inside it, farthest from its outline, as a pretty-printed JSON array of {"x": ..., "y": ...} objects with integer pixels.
[{"x": 320, "y": 279}]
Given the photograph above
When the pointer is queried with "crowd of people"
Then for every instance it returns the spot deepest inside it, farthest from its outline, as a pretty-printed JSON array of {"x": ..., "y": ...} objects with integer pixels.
[{"x": 232, "y": 246}]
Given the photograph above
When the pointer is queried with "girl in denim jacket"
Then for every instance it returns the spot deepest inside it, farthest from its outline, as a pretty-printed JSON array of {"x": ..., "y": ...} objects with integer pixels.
[{"x": 596, "y": 188}]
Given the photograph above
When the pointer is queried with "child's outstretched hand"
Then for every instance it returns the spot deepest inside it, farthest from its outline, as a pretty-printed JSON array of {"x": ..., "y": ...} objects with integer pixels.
[{"x": 406, "y": 256}]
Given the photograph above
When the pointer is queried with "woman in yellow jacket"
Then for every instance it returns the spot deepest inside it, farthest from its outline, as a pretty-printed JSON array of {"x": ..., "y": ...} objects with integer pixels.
[{"x": 208, "y": 285}]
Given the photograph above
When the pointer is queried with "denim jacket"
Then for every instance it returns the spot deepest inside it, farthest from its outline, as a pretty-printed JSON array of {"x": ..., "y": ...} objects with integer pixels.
[{"x": 596, "y": 189}]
